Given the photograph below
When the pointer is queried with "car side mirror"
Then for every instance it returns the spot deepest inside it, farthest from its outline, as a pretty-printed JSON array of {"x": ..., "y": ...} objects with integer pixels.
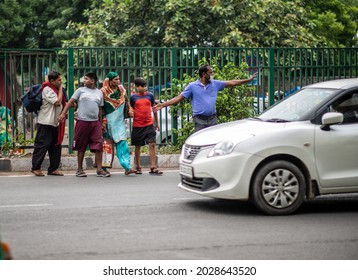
[{"x": 329, "y": 119}]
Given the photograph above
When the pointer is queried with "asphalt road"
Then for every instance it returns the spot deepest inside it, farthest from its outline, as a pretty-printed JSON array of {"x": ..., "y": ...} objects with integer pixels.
[{"x": 148, "y": 217}]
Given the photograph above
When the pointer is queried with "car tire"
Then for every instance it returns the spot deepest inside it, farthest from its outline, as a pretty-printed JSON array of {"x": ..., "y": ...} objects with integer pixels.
[{"x": 278, "y": 188}]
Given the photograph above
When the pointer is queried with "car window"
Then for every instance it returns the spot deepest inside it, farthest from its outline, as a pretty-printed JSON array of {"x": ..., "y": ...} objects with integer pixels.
[
  {"x": 348, "y": 106},
  {"x": 297, "y": 106}
]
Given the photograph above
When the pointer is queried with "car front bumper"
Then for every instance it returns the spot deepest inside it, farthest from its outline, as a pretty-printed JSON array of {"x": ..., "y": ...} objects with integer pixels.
[{"x": 226, "y": 176}]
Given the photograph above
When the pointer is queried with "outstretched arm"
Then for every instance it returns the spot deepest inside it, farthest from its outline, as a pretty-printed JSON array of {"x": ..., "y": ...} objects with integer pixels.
[
  {"x": 234, "y": 83},
  {"x": 170, "y": 102}
]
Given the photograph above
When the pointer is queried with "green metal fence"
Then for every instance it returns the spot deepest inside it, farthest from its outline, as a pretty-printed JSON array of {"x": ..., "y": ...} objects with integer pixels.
[
  {"x": 19, "y": 69},
  {"x": 280, "y": 72}
]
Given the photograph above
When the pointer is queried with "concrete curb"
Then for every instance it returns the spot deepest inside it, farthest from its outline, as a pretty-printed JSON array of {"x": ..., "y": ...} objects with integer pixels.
[{"x": 70, "y": 163}]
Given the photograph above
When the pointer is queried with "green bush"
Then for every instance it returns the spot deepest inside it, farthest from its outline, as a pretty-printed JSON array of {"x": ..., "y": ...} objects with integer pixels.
[{"x": 14, "y": 147}]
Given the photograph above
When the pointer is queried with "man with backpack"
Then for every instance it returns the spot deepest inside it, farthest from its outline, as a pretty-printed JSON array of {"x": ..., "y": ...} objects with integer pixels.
[{"x": 50, "y": 132}]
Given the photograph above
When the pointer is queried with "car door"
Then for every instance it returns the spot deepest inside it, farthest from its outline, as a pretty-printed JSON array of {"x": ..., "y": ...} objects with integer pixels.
[{"x": 336, "y": 150}]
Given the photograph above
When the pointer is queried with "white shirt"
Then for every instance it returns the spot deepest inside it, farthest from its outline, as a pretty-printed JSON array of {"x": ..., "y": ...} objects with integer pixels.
[{"x": 49, "y": 112}]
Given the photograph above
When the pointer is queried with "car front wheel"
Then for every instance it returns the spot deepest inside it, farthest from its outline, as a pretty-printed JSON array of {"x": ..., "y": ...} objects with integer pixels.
[{"x": 278, "y": 188}]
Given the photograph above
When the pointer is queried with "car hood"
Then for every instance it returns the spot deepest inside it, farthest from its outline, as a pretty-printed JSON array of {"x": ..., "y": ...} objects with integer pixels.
[{"x": 236, "y": 131}]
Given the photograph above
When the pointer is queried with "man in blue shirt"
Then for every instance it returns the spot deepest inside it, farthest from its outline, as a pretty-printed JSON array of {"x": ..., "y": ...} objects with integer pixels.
[{"x": 203, "y": 93}]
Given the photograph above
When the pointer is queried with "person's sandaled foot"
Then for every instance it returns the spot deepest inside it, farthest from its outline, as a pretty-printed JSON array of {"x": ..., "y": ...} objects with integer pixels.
[
  {"x": 37, "y": 173},
  {"x": 56, "y": 173},
  {"x": 138, "y": 170},
  {"x": 155, "y": 171},
  {"x": 102, "y": 173},
  {"x": 130, "y": 171},
  {"x": 81, "y": 173}
]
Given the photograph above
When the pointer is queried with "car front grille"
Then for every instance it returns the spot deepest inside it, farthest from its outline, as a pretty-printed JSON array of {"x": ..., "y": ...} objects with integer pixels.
[
  {"x": 190, "y": 152},
  {"x": 195, "y": 183},
  {"x": 199, "y": 184}
]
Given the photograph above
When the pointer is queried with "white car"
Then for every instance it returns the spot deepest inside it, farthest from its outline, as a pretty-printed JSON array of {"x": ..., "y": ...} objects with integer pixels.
[{"x": 303, "y": 147}]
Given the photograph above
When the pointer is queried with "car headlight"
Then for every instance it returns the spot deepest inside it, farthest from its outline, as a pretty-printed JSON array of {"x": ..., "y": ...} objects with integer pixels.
[
  {"x": 222, "y": 148},
  {"x": 227, "y": 146}
]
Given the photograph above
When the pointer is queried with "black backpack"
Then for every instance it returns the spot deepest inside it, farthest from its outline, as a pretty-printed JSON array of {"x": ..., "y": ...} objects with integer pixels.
[{"x": 32, "y": 99}]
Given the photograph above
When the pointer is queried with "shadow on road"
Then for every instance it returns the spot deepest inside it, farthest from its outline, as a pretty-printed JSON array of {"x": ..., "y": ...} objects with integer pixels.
[
  {"x": 328, "y": 204},
  {"x": 222, "y": 206}
]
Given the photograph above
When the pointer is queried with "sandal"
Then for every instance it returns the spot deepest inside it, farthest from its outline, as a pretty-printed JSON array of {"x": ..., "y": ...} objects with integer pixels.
[
  {"x": 107, "y": 172},
  {"x": 138, "y": 170},
  {"x": 56, "y": 173},
  {"x": 102, "y": 173},
  {"x": 37, "y": 172},
  {"x": 81, "y": 173},
  {"x": 155, "y": 171},
  {"x": 130, "y": 171}
]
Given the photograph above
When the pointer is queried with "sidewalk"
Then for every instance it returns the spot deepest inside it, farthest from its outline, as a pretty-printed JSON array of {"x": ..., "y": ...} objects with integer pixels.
[{"x": 23, "y": 164}]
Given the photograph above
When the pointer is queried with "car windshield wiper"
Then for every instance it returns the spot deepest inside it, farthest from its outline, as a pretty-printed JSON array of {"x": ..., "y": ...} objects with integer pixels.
[{"x": 277, "y": 120}]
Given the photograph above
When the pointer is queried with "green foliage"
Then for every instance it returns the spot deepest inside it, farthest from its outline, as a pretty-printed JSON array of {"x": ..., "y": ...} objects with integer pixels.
[
  {"x": 181, "y": 23},
  {"x": 167, "y": 150},
  {"x": 232, "y": 103},
  {"x": 39, "y": 23},
  {"x": 178, "y": 23},
  {"x": 11, "y": 148},
  {"x": 11, "y": 22},
  {"x": 267, "y": 23},
  {"x": 334, "y": 21}
]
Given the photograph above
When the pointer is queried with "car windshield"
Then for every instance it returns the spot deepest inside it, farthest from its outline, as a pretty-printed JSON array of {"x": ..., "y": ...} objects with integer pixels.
[{"x": 297, "y": 106}]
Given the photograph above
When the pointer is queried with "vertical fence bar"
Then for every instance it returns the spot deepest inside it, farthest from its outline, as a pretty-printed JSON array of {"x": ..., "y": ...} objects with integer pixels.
[
  {"x": 271, "y": 76},
  {"x": 284, "y": 68},
  {"x": 174, "y": 70},
  {"x": 70, "y": 91},
  {"x": 23, "y": 123},
  {"x": 350, "y": 62},
  {"x": 5, "y": 92}
]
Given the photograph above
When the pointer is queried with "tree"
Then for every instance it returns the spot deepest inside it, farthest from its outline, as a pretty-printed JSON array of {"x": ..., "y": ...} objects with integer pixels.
[
  {"x": 334, "y": 21},
  {"x": 181, "y": 23},
  {"x": 178, "y": 23},
  {"x": 38, "y": 23},
  {"x": 12, "y": 22},
  {"x": 268, "y": 23}
]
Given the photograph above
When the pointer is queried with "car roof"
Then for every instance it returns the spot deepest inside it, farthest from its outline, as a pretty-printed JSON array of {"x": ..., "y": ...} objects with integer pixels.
[{"x": 336, "y": 84}]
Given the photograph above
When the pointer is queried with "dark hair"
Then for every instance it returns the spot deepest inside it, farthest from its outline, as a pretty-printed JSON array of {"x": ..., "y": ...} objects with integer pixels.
[
  {"x": 53, "y": 75},
  {"x": 0, "y": 103},
  {"x": 203, "y": 69},
  {"x": 140, "y": 82},
  {"x": 92, "y": 76}
]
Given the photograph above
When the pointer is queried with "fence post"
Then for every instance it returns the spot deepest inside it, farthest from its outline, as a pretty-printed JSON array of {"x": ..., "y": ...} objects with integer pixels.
[
  {"x": 174, "y": 70},
  {"x": 271, "y": 76},
  {"x": 70, "y": 90},
  {"x": 6, "y": 101}
]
